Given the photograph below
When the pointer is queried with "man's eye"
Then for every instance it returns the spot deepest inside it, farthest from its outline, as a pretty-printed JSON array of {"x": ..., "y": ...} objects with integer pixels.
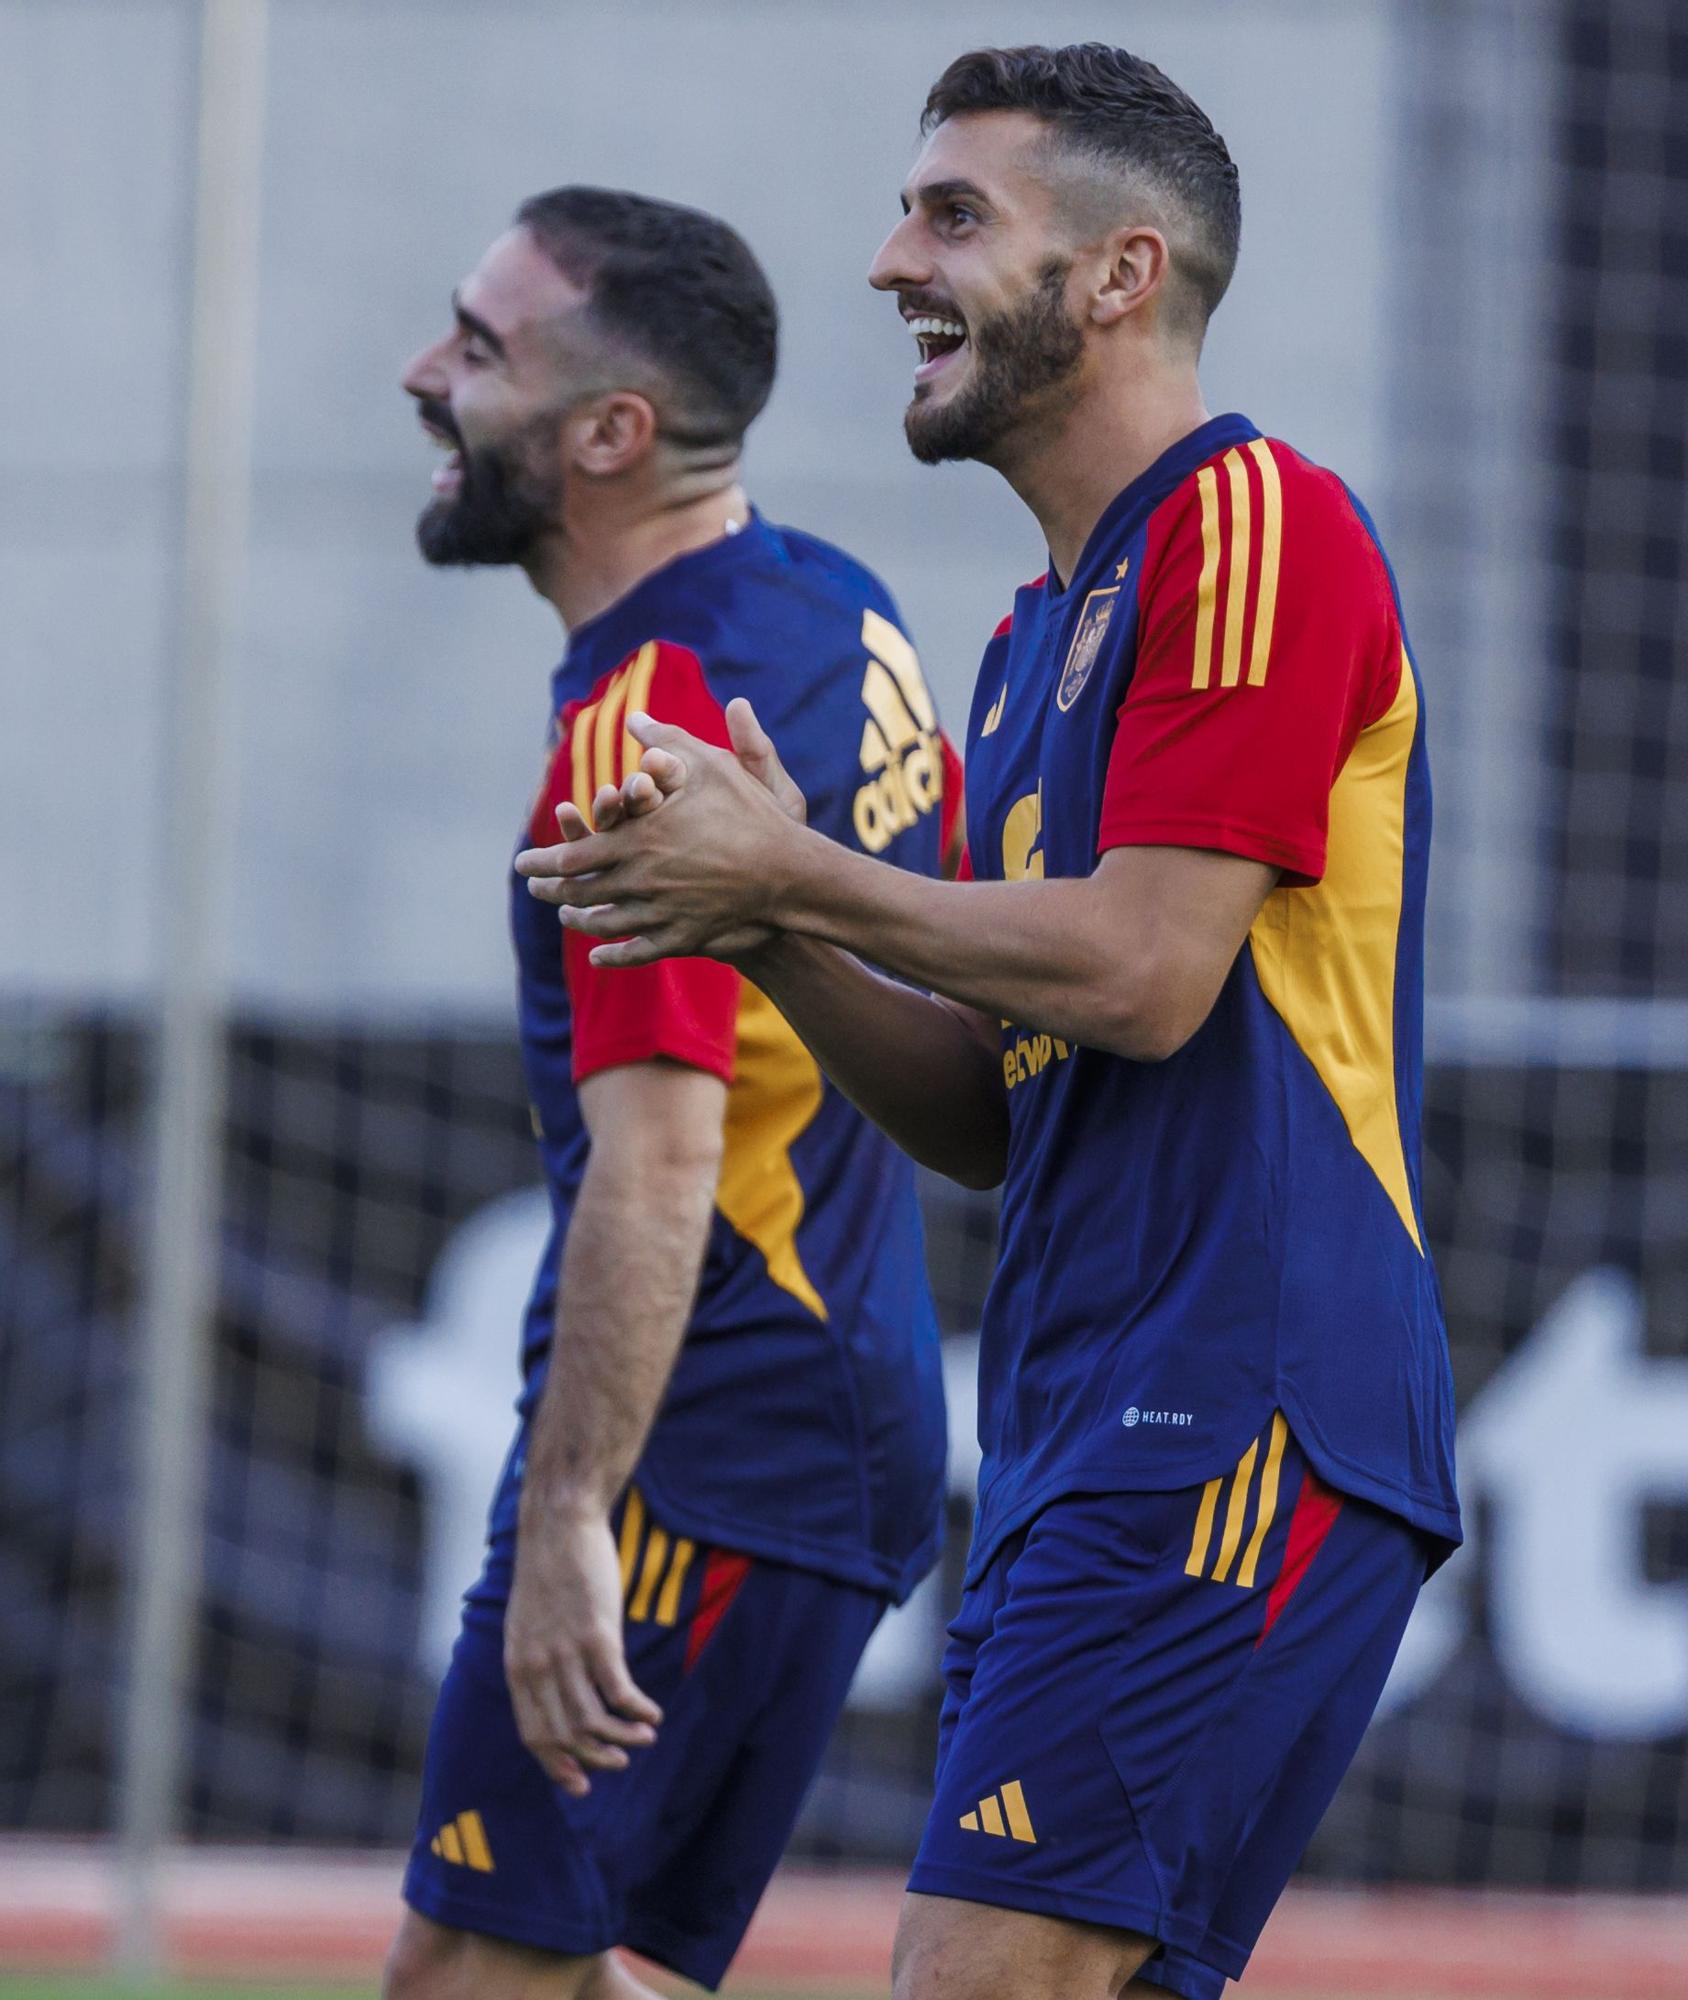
[{"x": 960, "y": 214}]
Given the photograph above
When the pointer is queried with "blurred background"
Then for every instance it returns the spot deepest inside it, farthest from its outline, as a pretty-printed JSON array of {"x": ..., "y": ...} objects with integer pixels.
[{"x": 260, "y": 778}]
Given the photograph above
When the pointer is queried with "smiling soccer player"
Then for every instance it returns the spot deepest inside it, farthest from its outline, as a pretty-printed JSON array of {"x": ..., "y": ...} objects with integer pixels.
[
  {"x": 731, "y": 1450},
  {"x": 1178, "y": 1011}
]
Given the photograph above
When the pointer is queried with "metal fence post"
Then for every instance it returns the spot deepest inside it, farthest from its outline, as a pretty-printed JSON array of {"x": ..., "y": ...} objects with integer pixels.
[{"x": 181, "y": 1247}]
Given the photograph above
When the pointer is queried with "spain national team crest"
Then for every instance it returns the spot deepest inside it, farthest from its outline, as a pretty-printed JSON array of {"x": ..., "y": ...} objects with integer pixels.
[{"x": 1087, "y": 643}]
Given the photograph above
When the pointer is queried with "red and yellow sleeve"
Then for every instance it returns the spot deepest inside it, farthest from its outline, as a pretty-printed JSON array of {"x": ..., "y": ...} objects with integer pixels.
[
  {"x": 683, "y": 1009},
  {"x": 1267, "y": 640}
]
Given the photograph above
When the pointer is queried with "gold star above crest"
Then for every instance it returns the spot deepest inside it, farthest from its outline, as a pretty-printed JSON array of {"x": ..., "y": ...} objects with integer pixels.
[{"x": 1119, "y": 574}]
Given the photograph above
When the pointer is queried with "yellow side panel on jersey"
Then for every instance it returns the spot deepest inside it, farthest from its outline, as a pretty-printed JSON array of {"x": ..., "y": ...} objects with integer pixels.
[
  {"x": 775, "y": 1095},
  {"x": 1325, "y": 956}
]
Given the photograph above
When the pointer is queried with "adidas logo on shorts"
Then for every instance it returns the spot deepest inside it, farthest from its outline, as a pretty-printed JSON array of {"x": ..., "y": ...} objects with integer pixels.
[
  {"x": 462, "y": 1841},
  {"x": 1007, "y": 1805}
]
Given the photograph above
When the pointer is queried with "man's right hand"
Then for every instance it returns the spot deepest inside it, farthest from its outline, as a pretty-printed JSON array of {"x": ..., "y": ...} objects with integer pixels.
[
  {"x": 662, "y": 775},
  {"x": 754, "y": 748},
  {"x": 577, "y": 1707}
]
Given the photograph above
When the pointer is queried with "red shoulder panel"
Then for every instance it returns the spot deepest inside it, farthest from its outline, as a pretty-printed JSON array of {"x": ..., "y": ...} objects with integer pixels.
[
  {"x": 952, "y": 808},
  {"x": 1267, "y": 639},
  {"x": 685, "y": 1009}
]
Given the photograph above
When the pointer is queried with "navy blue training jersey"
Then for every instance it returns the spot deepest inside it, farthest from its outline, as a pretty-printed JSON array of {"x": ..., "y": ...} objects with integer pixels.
[
  {"x": 1190, "y": 1245},
  {"x": 804, "y": 1420}
]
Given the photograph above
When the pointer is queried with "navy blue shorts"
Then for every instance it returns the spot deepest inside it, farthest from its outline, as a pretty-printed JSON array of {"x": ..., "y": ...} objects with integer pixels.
[
  {"x": 1150, "y": 1701},
  {"x": 750, "y": 1662}
]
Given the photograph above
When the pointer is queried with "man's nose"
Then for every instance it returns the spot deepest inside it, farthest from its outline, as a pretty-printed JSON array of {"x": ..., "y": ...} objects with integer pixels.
[
  {"x": 425, "y": 376},
  {"x": 894, "y": 264}
]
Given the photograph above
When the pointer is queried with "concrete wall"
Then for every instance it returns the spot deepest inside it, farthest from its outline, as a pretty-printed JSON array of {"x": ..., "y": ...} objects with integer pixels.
[{"x": 389, "y": 717}]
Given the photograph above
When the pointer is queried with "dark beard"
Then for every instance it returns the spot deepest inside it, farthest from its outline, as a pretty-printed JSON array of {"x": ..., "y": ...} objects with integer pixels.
[
  {"x": 504, "y": 504},
  {"x": 1019, "y": 354}
]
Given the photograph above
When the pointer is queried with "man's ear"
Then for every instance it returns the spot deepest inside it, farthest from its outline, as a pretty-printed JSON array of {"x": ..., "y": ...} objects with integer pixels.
[
  {"x": 611, "y": 433},
  {"x": 1137, "y": 263}
]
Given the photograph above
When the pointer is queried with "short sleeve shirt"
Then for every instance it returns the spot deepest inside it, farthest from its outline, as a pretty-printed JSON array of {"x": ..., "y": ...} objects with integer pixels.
[
  {"x": 804, "y": 1420},
  {"x": 1191, "y": 1244}
]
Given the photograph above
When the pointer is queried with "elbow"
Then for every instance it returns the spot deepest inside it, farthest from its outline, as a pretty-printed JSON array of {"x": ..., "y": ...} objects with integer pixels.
[
  {"x": 1154, "y": 1040},
  {"x": 666, "y": 1166},
  {"x": 976, "y": 1172},
  {"x": 983, "y": 1163},
  {"x": 974, "y": 1151},
  {"x": 1149, "y": 1020},
  {"x": 697, "y": 1163},
  {"x": 1156, "y": 1032}
]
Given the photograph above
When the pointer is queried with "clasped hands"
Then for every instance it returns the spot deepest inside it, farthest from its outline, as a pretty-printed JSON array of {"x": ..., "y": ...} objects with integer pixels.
[{"x": 687, "y": 857}]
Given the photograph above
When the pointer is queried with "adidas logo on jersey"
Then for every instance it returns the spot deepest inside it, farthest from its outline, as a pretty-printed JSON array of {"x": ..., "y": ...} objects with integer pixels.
[
  {"x": 463, "y": 1842},
  {"x": 1004, "y": 1814},
  {"x": 900, "y": 748}
]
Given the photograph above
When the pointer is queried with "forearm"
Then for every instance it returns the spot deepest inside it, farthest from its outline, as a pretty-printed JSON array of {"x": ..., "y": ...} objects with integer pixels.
[
  {"x": 630, "y": 1267},
  {"x": 1030, "y": 952},
  {"x": 1127, "y": 959},
  {"x": 918, "y": 1069}
]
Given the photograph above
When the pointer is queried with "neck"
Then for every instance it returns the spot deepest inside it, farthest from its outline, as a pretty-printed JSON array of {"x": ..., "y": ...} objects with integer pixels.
[
  {"x": 599, "y": 550},
  {"x": 1069, "y": 472}
]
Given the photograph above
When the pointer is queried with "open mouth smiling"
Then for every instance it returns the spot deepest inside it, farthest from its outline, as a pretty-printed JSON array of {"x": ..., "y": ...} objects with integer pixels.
[
  {"x": 939, "y": 337},
  {"x": 448, "y": 476}
]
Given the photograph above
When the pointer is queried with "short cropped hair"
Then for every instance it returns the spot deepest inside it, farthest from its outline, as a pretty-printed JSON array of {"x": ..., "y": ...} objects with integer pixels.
[
  {"x": 680, "y": 288},
  {"x": 1114, "y": 109}
]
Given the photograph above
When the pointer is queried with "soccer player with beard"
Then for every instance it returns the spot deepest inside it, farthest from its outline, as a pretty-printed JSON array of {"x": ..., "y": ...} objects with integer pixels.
[
  {"x": 1177, "y": 1011},
  {"x": 731, "y": 1449}
]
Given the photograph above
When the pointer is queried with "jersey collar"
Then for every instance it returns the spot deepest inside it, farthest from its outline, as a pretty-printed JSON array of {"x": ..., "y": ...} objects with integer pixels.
[
  {"x": 1128, "y": 509},
  {"x": 635, "y": 616}
]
